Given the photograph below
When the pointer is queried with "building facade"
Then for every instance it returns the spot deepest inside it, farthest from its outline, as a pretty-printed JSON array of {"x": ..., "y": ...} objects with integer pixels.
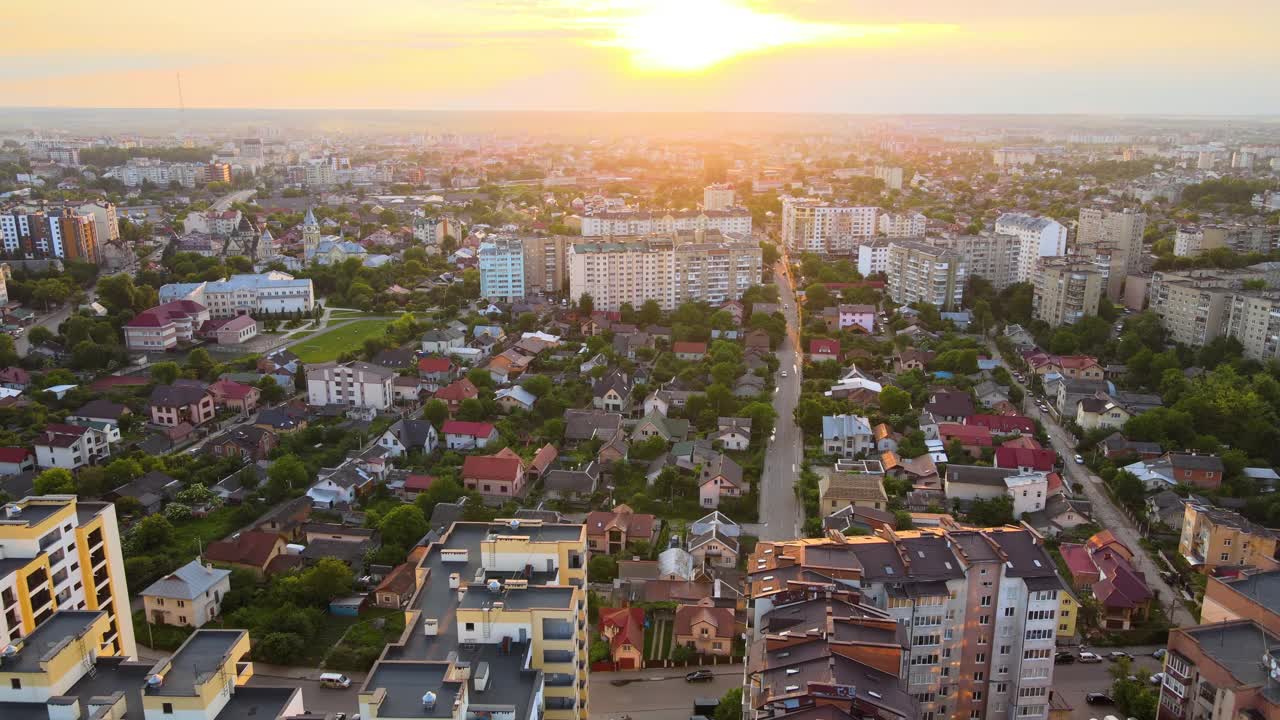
[
  {"x": 619, "y": 224},
  {"x": 1066, "y": 290},
  {"x": 994, "y": 258},
  {"x": 1116, "y": 235},
  {"x": 903, "y": 225},
  {"x": 926, "y": 274},
  {"x": 825, "y": 228},
  {"x": 1038, "y": 237},
  {"x": 546, "y": 264},
  {"x": 358, "y": 384},
  {"x": 502, "y": 273},
  {"x": 64, "y": 234}
]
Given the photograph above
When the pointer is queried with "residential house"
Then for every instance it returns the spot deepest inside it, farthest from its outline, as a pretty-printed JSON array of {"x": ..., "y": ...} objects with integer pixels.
[
  {"x": 1202, "y": 471},
  {"x": 732, "y": 433},
  {"x": 436, "y": 371},
  {"x": 1166, "y": 507},
  {"x": 912, "y": 359},
  {"x": 400, "y": 585},
  {"x": 687, "y": 350},
  {"x": 99, "y": 411},
  {"x": 441, "y": 342},
  {"x": 187, "y": 597},
  {"x": 840, "y": 489},
  {"x": 714, "y": 548},
  {"x": 250, "y": 550},
  {"x": 623, "y": 629},
  {"x": 341, "y": 486},
  {"x": 564, "y": 482},
  {"x": 455, "y": 393},
  {"x": 1068, "y": 392},
  {"x": 612, "y": 392},
  {"x": 1028, "y": 491},
  {"x": 406, "y": 436},
  {"x": 172, "y": 405},
  {"x": 858, "y": 317},
  {"x": 1076, "y": 367},
  {"x": 950, "y": 405},
  {"x": 14, "y": 460},
  {"x": 150, "y": 491},
  {"x": 1101, "y": 411},
  {"x": 1026, "y": 459},
  {"x": 15, "y": 378},
  {"x": 583, "y": 425},
  {"x": 973, "y": 438},
  {"x": 855, "y": 520},
  {"x": 498, "y": 478},
  {"x": 236, "y": 396},
  {"x": 282, "y": 420},
  {"x": 1004, "y": 424},
  {"x": 234, "y": 330},
  {"x": 515, "y": 398},
  {"x": 707, "y": 629},
  {"x": 357, "y": 384},
  {"x": 247, "y": 442},
  {"x": 847, "y": 435},
  {"x": 70, "y": 447},
  {"x": 461, "y": 435},
  {"x": 611, "y": 531},
  {"x": 885, "y": 437},
  {"x": 1116, "y": 445},
  {"x": 669, "y": 429},
  {"x": 720, "y": 478},
  {"x": 1213, "y": 538},
  {"x": 1104, "y": 565},
  {"x": 395, "y": 358},
  {"x": 823, "y": 349}
]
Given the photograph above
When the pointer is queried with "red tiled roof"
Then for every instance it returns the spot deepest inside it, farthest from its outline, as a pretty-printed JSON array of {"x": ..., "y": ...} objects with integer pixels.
[
  {"x": 458, "y": 390},
  {"x": 491, "y": 467},
  {"x": 462, "y": 427},
  {"x": 629, "y": 623},
  {"x": 418, "y": 483},
  {"x": 1077, "y": 362},
  {"x": 253, "y": 547},
  {"x": 720, "y": 618},
  {"x": 1003, "y": 424},
  {"x": 638, "y": 525},
  {"x": 1077, "y": 560},
  {"x": 14, "y": 454},
  {"x": 1013, "y": 457},
  {"x": 966, "y": 434},
  {"x": 1022, "y": 441},
  {"x": 546, "y": 455},
  {"x": 685, "y": 346},
  {"x": 435, "y": 364},
  {"x": 231, "y": 389},
  {"x": 821, "y": 346}
]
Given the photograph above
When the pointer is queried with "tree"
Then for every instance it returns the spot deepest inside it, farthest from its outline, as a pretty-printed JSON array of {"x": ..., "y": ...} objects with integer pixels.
[
  {"x": 200, "y": 361},
  {"x": 122, "y": 470},
  {"x": 287, "y": 473},
  {"x": 280, "y": 648},
  {"x": 650, "y": 313},
  {"x": 55, "y": 481},
  {"x": 993, "y": 512},
  {"x": 816, "y": 297},
  {"x": 152, "y": 532},
  {"x": 436, "y": 412},
  {"x": 539, "y": 385},
  {"x": 586, "y": 305},
  {"x": 602, "y": 569},
  {"x": 894, "y": 400},
  {"x": 117, "y": 292},
  {"x": 403, "y": 526},
  {"x": 682, "y": 654},
  {"x": 730, "y": 707},
  {"x": 327, "y": 579}
]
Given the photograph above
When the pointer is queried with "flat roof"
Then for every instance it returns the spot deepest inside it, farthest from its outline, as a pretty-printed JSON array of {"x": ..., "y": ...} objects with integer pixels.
[
  {"x": 53, "y": 634},
  {"x": 202, "y": 654},
  {"x": 33, "y": 513},
  {"x": 406, "y": 682},
  {"x": 1262, "y": 588},
  {"x": 478, "y": 596},
  {"x": 257, "y": 702},
  {"x": 1238, "y": 647}
]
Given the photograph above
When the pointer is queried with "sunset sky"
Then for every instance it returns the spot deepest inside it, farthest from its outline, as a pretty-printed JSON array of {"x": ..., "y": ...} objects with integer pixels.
[{"x": 966, "y": 56}]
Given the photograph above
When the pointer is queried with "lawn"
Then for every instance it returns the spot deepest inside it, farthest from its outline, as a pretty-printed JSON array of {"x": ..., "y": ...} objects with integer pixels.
[
  {"x": 330, "y": 344},
  {"x": 657, "y": 640}
]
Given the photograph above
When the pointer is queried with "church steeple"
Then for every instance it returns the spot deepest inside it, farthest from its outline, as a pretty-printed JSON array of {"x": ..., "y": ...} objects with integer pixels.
[
  {"x": 310, "y": 234},
  {"x": 266, "y": 244}
]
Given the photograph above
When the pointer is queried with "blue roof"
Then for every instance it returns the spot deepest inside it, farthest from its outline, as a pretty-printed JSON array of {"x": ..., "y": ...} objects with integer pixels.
[
  {"x": 943, "y": 374},
  {"x": 187, "y": 582}
]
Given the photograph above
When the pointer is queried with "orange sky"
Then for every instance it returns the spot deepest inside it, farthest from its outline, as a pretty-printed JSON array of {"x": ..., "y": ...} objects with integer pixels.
[{"x": 1184, "y": 56}]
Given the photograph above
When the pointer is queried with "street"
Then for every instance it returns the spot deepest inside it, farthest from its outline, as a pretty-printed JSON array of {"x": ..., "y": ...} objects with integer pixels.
[
  {"x": 1105, "y": 513},
  {"x": 226, "y": 201},
  {"x": 779, "y": 509},
  {"x": 656, "y": 694}
]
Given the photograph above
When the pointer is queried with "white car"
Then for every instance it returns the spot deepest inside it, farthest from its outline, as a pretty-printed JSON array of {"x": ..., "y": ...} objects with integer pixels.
[
  {"x": 1080, "y": 461},
  {"x": 783, "y": 373},
  {"x": 1088, "y": 657}
]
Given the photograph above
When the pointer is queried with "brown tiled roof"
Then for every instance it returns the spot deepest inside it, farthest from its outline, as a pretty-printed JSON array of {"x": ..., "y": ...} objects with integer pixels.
[{"x": 252, "y": 547}]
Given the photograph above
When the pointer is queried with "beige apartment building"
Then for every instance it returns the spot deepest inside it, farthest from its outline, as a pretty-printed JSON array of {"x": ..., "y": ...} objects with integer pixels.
[
  {"x": 1066, "y": 290},
  {"x": 991, "y": 257},
  {"x": 546, "y": 263},
  {"x": 713, "y": 268},
  {"x": 924, "y": 273},
  {"x": 1116, "y": 235}
]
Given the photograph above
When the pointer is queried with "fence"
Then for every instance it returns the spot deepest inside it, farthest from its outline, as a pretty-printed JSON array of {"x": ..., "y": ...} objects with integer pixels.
[{"x": 699, "y": 661}]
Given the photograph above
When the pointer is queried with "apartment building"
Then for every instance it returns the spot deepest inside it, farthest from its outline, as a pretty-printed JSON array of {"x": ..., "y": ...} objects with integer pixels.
[
  {"x": 162, "y": 327},
  {"x": 1213, "y": 537},
  {"x": 825, "y": 228},
  {"x": 106, "y": 224},
  {"x": 1253, "y": 318},
  {"x": 1066, "y": 290},
  {"x": 923, "y": 273},
  {"x": 1115, "y": 235},
  {"x": 269, "y": 293},
  {"x": 1251, "y": 595},
  {"x": 501, "y": 264},
  {"x": 623, "y": 272},
  {"x": 71, "y": 447},
  {"x": 718, "y": 196},
  {"x": 499, "y": 620},
  {"x": 873, "y": 257},
  {"x": 903, "y": 225},
  {"x": 358, "y": 384},
  {"x": 892, "y": 177},
  {"x": 63, "y": 233},
  {"x": 1193, "y": 305},
  {"x": 1241, "y": 238},
  {"x": 975, "y": 609},
  {"x": 63, "y": 556},
  {"x": 1038, "y": 237},
  {"x": 546, "y": 264},
  {"x": 1223, "y": 670},
  {"x": 617, "y": 224},
  {"x": 714, "y": 268},
  {"x": 994, "y": 258}
]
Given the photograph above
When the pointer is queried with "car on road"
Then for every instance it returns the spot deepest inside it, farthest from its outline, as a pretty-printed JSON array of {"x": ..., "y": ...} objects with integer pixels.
[
  {"x": 1097, "y": 698},
  {"x": 783, "y": 373},
  {"x": 1088, "y": 657},
  {"x": 1064, "y": 658},
  {"x": 1159, "y": 654},
  {"x": 699, "y": 676},
  {"x": 1117, "y": 654},
  {"x": 1080, "y": 461}
]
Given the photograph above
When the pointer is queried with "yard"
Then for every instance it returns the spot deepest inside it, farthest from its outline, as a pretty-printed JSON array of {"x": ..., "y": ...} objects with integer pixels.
[
  {"x": 658, "y": 640},
  {"x": 330, "y": 344}
]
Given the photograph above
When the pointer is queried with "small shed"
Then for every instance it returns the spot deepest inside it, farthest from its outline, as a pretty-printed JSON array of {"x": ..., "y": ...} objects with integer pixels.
[{"x": 349, "y": 606}]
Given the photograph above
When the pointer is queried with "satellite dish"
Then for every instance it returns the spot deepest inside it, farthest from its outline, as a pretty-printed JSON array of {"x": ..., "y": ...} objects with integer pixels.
[
  {"x": 494, "y": 586},
  {"x": 155, "y": 681},
  {"x": 514, "y": 523}
]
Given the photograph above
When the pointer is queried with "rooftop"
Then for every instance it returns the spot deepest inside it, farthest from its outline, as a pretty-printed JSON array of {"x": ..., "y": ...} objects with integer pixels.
[
  {"x": 203, "y": 654},
  {"x": 50, "y": 637}
]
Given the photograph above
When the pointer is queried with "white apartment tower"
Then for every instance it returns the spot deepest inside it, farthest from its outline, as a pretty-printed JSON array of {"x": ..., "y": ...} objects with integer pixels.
[
  {"x": 825, "y": 228},
  {"x": 718, "y": 196},
  {"x": 1037, "y": 237}
]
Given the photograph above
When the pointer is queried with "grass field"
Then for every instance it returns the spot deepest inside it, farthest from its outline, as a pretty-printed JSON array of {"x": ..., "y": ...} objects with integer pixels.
[
  {"x": 330, "y": 344},
  {"x": 657, "y": 640}
]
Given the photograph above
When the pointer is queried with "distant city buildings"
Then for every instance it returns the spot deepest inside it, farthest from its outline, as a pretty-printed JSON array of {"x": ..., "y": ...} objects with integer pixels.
[
  {"x": 892, "y": 176},
  {"x": 718, "y": 196},
  {"x": 619, "y": 224}
]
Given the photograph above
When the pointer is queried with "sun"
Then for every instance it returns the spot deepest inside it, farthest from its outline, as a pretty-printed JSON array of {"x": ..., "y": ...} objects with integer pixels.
[{"x": 693, "y": 35}]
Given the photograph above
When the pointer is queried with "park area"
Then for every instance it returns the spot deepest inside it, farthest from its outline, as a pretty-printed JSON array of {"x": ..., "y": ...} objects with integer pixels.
[{"x": 330, "y": 344}]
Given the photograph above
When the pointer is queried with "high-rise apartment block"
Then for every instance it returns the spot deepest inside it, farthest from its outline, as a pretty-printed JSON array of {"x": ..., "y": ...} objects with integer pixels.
[
  {"x": 1197, "y": 306},
  {"x": 498, "y": 623},
  {"x": 63, "y": 554},
  {"x": 925, "y": 274},
  {"x": 994, "y": 258},
  {"x": 1115, "y": 235},
  {"x": 683, "y": 267},
  {"x": 64, "y": 234},
  {"x": 1037, "y": 237},
  {"x": 618, "y": 224},
  {"x": 1195, "y": 239},
  {"x": 903, "y": 225},
  {"x": 1067, "y": 289},
  {"x": 873, "y": 257},
  {"x": 892, "y": 176},
  {"x": 501, "y": 263},
  {"x": 106, "y": 224},
  {"x": 718, "y": 196},
  {"x": 546, "y": 264},
  {"x": 825, "y": 228},
  {"x": 976, "y": 610}
]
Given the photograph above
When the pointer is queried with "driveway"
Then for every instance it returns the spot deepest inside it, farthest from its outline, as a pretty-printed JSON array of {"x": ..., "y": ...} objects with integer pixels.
[
  {"x": 656, "y": 694},
  {"x": 1107, "y": 514},
  {"x": 779, "y": 509}
]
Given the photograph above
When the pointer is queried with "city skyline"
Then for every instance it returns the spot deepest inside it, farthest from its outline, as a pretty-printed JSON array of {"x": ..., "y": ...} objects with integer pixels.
[{"x": 1185, "y": 57}]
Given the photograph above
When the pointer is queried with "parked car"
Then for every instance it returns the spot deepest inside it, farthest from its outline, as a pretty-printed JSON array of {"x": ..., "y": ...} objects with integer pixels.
[
  {"x": 335, "y": 680},
  {"x": 1088, "y": 657},
  {"x": 1157, "y": 678},
  {"x": 1079, "y": 460},
  {"x": 1159, "y": 654},
  {"x": 699, "y": 676},
  {"x": 1117, "y": 654},
  {"x": 1064, "y": 658},
  {"x": 1097, "y": 698}
]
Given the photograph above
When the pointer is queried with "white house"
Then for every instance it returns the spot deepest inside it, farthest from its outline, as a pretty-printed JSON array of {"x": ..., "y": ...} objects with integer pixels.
[
  {"x": 846, "y": 435},
  {"x": 441, "y": 342},
  {"x": 70, "y": 446},
  {"x": 1028, "y": 490},
  {"x": 462, "y": 435},
  {"x": 189, "y": 596},
  {"x": 409, "y": 435},
  {"x": 733, "y": 433},
  {"x": 359, "y": 384}
]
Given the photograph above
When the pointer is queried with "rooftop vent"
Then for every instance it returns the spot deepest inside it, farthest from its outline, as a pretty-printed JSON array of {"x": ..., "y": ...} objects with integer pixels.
[
  {"x": 12, "y": 511},
  {"x": 428, "y": 700}
]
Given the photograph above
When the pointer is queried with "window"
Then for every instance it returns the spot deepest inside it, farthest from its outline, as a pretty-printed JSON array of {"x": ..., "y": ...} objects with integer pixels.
[
  {"x": 975, "y": 714},
  {"x": 1004, "y": 649},
  {"x": 979, "y": 677},
  {"x": 1224, "y": 557},
  {"x": 1226, "y": 542},
  {"x": 985, "y": 601},
  {"x": 977, "y": 695},
  {"x": 1002, "y": 687},
  {"x": 984, "y": 619},
  {"x": 182, "y": 619},
  {"x": 981, "y": 657},
  {"x": 168, "y": 708},
  {"x": 15, "y": 683},
  {"x": 1008, "y": 612},
  {"x": 471, "y": 626}
]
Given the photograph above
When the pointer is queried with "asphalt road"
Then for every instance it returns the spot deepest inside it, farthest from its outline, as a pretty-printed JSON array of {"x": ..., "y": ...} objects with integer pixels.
[
  {"x": 656, "y": 694},
  {"x": 779, "y": 510},
  {"x": 51, "y": 321},
  {"x": 1073, "y": 682},
  {"x": 225, "y": 202},
  {"x": 1107, "y": 514}
]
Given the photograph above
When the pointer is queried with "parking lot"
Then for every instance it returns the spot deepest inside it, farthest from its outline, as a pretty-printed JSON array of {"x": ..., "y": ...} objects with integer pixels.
[
  {"x": 656, "y": 694},
  {"x": 1076, "y": 680}
]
